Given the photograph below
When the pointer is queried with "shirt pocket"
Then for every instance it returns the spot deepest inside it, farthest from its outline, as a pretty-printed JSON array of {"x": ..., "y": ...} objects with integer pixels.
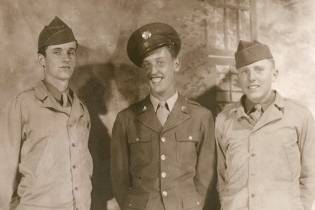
[
  {"x": 186, "y": 147},
  {"x": 136, "y": 201},
  {"x": 191, "y": 201},
  {"x": 140, "y": 147},
  {"x": 292, "y": 155}
]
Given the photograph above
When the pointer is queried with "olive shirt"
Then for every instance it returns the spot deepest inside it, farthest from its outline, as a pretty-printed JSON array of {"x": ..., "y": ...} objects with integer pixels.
[
  {"x": 48, "y": 164},
  {"x": 270, "y": 164},
  {"x": 170, "y": 167}
]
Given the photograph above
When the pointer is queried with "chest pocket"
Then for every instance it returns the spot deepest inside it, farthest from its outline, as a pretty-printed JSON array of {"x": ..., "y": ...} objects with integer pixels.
[
  {"x": 186, "y": 147},
  {"x": 140, "y": 147}
]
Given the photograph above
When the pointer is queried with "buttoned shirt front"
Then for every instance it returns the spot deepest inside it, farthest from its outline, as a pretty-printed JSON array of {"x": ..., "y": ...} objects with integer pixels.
[
  {"x": 268, "y": 165},
  {"x": 48, "y": 163},
  {"x": 157, "y": 167}
]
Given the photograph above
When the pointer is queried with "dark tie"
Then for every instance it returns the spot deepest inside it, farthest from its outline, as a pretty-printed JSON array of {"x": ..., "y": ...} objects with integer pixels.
[
  {"x": 64, "y": 99},
  {"x": 162, "y": 112},
  {"x": 256, "y": 113}
]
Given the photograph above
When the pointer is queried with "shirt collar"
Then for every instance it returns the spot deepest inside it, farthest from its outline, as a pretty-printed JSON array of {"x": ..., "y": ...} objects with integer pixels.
[
  {"x": 249, "y": 106},
  {"x": 278, "y": 102},
  {"x": 170, "y": 101},
  {"x": 56, "y": 93}
]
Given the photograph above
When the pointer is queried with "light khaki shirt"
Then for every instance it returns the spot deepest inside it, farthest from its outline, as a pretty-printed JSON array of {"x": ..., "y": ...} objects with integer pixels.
[
  {"x": 48, "y": 164},
  {"x": 269, "y": 165}
]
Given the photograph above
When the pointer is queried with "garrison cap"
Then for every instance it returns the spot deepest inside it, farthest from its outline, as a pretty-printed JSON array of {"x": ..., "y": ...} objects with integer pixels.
[
  {"x": 57, "y": 32},
  {"x": 249, "y": 52},
  {"x": 151, "y": 37}
]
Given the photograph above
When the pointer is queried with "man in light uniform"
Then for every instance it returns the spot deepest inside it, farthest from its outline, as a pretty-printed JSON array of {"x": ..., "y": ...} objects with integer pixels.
[
  {"x": 48, "y": 164},
  {"x": 265, "y": 143}
]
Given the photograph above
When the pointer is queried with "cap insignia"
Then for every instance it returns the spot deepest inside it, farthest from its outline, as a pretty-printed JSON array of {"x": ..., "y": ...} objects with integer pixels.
[{"x": 146, "y": 35}]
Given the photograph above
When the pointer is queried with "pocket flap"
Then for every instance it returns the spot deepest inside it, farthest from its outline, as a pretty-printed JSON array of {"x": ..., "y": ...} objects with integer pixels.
[
  {"x": 186, "y": 136},
  {"x": 191, "y": 200},
  {"x": 136, "y": 201},
  {"x": 135, "y": 136}
]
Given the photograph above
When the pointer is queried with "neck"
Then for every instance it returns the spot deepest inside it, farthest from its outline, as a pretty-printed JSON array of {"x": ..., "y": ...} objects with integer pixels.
[
  {"x": 163, "y": 98},
  {"x": 61, "y": 85}
]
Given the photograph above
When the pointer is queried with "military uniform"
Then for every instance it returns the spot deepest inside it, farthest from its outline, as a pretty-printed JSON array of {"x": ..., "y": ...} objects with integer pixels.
[
  {"x": 47, "y": 163},
  {"x": 265, "y": 159},
  {"x": 169, "y": 167}
]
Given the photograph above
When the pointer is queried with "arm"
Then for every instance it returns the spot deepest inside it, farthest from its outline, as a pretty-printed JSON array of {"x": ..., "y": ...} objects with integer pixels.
[
  {"x": 307, "y": 176},
  {"x": 206, "y": 175},
  {"x": 10, "y": 143},
  {"x": 119, "y": 161}
]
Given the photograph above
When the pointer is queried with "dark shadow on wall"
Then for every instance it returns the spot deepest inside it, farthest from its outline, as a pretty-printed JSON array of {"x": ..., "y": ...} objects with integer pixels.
[{"x": 94, "y": 93}]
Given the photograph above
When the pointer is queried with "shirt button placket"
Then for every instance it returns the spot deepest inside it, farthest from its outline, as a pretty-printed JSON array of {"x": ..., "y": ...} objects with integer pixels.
[{"x": 251, "y": 169}]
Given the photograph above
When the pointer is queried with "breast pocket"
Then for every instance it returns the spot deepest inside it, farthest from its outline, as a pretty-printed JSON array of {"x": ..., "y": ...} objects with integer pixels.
[
  {"x": 186, "y": 147},
  {"x": 140, "y": 148}
]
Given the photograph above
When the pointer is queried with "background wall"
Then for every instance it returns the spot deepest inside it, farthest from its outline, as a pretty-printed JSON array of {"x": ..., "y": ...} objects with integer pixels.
[{"x": 107, "y": 81}]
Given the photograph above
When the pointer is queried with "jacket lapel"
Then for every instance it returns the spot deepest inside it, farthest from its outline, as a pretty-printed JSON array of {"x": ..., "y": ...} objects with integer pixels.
[
  {"x": 146, "y": 115},
  {"x": 179, "y": 114}
]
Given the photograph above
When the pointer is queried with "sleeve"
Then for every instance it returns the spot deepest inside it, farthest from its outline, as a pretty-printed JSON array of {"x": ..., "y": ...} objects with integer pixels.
[
  {"x": 119, "y": 161},
  {"x": 10, "y": 142},
  {"x": 206, "y": 175},
  {"x": 220, "y": 154},
  {"x": 307, "y": 176}
]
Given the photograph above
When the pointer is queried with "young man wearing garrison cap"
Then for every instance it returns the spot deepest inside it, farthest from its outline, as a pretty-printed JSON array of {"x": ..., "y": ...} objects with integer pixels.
[
  {"x": 48, "y": 163},
  {"x": 163, "y": 147},
  {"x": 265, "y": 142}
]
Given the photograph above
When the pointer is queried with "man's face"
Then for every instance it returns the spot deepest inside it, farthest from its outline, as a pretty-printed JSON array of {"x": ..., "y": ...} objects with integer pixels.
[
  {"x": 160, "y": 67},
  {"x": 59, "y": 61},
  {"x": 256, "y": 80}
]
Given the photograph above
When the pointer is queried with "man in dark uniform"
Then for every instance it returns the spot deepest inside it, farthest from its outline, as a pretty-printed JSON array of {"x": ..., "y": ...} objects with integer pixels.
[
  {"x": 163, "y": 147},
  {"x": 45, "y": 140}
]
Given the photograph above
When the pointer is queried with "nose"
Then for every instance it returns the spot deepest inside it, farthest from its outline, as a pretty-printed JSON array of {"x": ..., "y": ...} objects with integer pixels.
[
  {"x": 251, "y": 75},
  {"x": 66, "y": 57},
  {"x": 153, "y": 69}
]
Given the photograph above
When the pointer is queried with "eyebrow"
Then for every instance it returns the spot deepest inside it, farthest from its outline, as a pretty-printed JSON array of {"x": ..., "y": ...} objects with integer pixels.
[{"x": 59, "y": 48}]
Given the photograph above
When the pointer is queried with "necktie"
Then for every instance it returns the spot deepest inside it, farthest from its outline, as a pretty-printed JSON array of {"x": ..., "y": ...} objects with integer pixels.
[
  {"x": 256, "y": 114},
  {"x": 162, "y": 112},
  {"x": 64, "y": 99}
]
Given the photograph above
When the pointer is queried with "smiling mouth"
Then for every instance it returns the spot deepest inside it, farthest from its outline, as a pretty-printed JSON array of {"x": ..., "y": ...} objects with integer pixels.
[
  {"x": 251, "y": 87},
  {"x": 156, "y": 79},
  {"x": 65, "y": 67}
]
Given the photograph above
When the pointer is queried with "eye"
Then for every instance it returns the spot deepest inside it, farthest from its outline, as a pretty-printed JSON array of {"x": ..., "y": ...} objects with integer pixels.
[
  {"x": 146, "y": 66},
  {"x": 57, "y": 52},
  {"x": 71, "y": 52},
  {"x": 259, "y": 69},
  {"x": 160, "y": 63}
]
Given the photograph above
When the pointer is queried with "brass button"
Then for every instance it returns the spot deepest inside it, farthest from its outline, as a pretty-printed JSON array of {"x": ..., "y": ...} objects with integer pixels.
[
  {"x": 163, "y": 139},
  {"x": 190, "y": 137},
  {"x": 163, "y": 174},
  {"x": 163, "y": 157},
  {"x": 164, "y": 193}
]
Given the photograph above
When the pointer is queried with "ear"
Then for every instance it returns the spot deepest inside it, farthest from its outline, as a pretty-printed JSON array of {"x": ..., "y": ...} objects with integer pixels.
[
  {"x": 177, "y": 64},
  {"x": 275, "y": 74},
  {"x": 41, "y": 60}
]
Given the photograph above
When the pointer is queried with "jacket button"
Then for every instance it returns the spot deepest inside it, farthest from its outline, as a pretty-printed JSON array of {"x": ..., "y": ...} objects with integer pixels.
[
  {"x": 73, "y": 144},
  {"x": 190, "y": 137},
  {"x": 164, "y": 193},
  {"x": 163, "y": 174},
  {"x": 198, "y": 203},
  {"x": 163, "y": 139},
  {"x": 163, "y": 157},
  {"x": 253, "y": 155},
  {"x": 137, "y": 139}
]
